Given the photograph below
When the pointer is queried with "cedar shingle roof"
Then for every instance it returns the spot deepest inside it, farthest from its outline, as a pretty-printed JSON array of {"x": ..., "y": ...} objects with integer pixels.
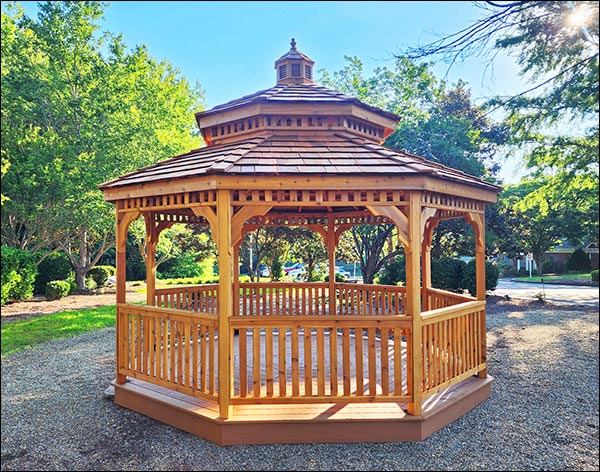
[
  {"x": 335, "y": 154},
  {"x": 290, "y": 93}
]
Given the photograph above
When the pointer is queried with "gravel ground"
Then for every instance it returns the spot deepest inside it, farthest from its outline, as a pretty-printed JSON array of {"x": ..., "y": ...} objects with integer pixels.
[{"x": 542, "y": 415}]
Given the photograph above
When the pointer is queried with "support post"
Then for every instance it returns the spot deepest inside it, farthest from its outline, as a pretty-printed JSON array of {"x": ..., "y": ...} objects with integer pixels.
[
  {"x": 151, "y": 241},
  {"x": 225, "y": 301},
  {"x": 413, "y": 299},
  {"x": 236, "y": 276},
  {"x": 426, "y": 263},
  {"x": 123, "y": 220},
  {"x": 478, "y": 223},
  {"x": 331, "y": 257}
]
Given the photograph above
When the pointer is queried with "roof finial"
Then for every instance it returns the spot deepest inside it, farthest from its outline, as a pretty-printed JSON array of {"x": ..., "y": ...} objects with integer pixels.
[{"x": 293, "y": 44}]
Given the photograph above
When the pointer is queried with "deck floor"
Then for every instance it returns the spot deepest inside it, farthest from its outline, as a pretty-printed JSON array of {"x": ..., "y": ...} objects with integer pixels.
[{"x": 303, "y": 422}]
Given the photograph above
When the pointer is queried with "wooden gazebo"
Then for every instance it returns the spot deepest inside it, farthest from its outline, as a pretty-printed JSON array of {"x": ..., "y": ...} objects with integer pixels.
[{"x": 250, "y": 363}]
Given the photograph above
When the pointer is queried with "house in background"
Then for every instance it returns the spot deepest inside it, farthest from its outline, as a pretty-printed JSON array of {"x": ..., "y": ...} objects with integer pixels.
[{"x": 559, "y": 255}]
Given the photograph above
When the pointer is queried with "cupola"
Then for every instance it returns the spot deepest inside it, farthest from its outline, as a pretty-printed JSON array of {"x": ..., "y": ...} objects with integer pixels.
[{"x": 294, "y": 67}]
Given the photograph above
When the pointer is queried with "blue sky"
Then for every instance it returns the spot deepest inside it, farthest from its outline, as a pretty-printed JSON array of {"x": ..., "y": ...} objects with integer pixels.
[{"x": 230, "y": 47}]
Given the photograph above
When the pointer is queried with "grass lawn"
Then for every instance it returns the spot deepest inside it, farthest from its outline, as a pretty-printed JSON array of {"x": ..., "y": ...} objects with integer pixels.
[
  {"x": 23, "y": 334},
  {"x": 556, "y": 278}
]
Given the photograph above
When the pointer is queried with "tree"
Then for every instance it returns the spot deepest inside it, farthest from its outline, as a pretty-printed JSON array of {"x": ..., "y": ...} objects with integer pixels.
[
  {"x": 439, "y": 122},
  {"x": 78, "y": 110},
  {"x": 535, "y": 229},
  {"x": 554, "y": 123},
  {"x": 267, "y": 244},
  {"x": 308, "y": 246},
  {"x": 373, "y": 246}
]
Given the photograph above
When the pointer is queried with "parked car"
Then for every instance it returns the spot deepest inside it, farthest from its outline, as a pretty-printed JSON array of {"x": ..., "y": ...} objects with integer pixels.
[
  {"x": 297, "y": 274},
  {"x": 343, "y": 272}
]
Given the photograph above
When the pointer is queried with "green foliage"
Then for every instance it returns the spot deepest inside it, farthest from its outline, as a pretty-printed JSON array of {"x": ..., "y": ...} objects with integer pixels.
[
  {"x": 56, "y": 289},
  {"x": 439, "y": 122},
  {"x": 55, "y": 266},
  {"x": 578, "y": 261},
  {"x": 534, "y": 228},
  {"x": 448, "y": 273},
  {"x": 394, "y": 271},
  {"x": 277, "y": 269},
  {"x": 338, "y": 278},
  {"x": 470, "y": 276},
  {"x": 77, "y": 110},
  {"x": 100, "y": 274},
  {"x": 594, "y": 275},
  {"x": 553, "y": 124},
  {"x": 309, "y": 248},
  {"x": 18, "y": 274},
  {"x": 373, "y": 246}
]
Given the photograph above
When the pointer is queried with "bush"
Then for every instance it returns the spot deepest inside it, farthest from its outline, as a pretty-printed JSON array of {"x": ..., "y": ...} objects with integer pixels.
[
  {"x": 506, "y": 269},
  {"x": 18, "y": 274},
  {"x": 594, "y": 275},
  {"x": 393, "y": 272},
  {"x": 578, "y": 262},
  {"x": 54, "y": 267},
  {"x": 470, "y": 277},
  {"x": 57, "y": 289},
  {"x": 448, "y": 274},
  {"x": 100, "y": 274},
  {"x": 338, "y": 278},
  {"x": 548, "y": 267},
  {"x": 180, "y": 267}
]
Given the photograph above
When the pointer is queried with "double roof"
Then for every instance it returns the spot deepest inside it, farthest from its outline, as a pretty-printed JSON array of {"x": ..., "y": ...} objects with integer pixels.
[{"x": 295, "y": 146}]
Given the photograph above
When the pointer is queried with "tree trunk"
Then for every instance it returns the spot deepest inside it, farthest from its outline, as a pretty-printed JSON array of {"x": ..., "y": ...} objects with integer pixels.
[{"x": 80, "y": 273}]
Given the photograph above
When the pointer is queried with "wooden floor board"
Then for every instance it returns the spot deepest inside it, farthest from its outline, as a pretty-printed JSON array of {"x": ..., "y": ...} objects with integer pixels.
[{"x": 302, "y": 423}]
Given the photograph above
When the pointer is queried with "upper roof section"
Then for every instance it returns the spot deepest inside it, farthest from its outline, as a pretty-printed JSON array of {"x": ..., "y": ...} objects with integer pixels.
[{"x": 294, "y": 104}]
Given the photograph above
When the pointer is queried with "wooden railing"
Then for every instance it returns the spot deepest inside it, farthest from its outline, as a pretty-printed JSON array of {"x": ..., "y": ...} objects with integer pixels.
[
  {"x": 338, "y": 359},
  {"x": 369, "y": 300},
  {"x": 199, "y": 298},
  {"x": 287, "y": 348},
  {"x": 453, "y": 345},
  {"x": 283, "y": 298},
  {"x": 172, "y": 348},
  {"x": 437, "y": 298}
]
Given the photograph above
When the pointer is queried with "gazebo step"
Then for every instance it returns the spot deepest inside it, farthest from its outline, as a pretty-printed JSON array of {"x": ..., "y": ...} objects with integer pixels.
[{"x": 302, "y": 423}]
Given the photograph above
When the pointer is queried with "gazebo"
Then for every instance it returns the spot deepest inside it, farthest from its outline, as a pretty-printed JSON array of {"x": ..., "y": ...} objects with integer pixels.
[{"x": 296, "y": 362}]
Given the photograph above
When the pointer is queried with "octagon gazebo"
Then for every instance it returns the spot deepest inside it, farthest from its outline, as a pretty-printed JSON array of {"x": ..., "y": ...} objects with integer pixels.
[{"x": 257, "y": 363}]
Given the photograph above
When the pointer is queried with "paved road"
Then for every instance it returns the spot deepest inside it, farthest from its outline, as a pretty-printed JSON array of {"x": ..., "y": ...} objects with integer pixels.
[{"x": 582, "y": 295}]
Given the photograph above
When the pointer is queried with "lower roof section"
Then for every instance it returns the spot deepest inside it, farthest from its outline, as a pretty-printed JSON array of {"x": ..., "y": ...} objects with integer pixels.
[{"x": 299, "y": 158}]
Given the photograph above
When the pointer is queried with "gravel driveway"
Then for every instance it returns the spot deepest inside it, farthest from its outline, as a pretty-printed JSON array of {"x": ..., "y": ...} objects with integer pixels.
[{"x": 542, "y": 415}]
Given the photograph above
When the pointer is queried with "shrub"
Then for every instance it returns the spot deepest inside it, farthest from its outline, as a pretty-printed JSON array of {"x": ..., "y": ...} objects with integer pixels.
[
  {"x": 54, "y": 267},
  {"x": 338, "y": 278},
  {"x": 447, "y": 274},
  {"x": 18, "y": 274},
  {"x": 578, "y": 262},
  {"x": 393, "y": 272},
  {"x": 180, "y": 267},
  {"x": 57, "y": 289},
  {"x": 594, "y": 275},
  {"x": 470, "y": 277},
  {"x": 506, "y": 269},
  {"x": 548, "y": 267},
  {"x": 100, "y": 274}
]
